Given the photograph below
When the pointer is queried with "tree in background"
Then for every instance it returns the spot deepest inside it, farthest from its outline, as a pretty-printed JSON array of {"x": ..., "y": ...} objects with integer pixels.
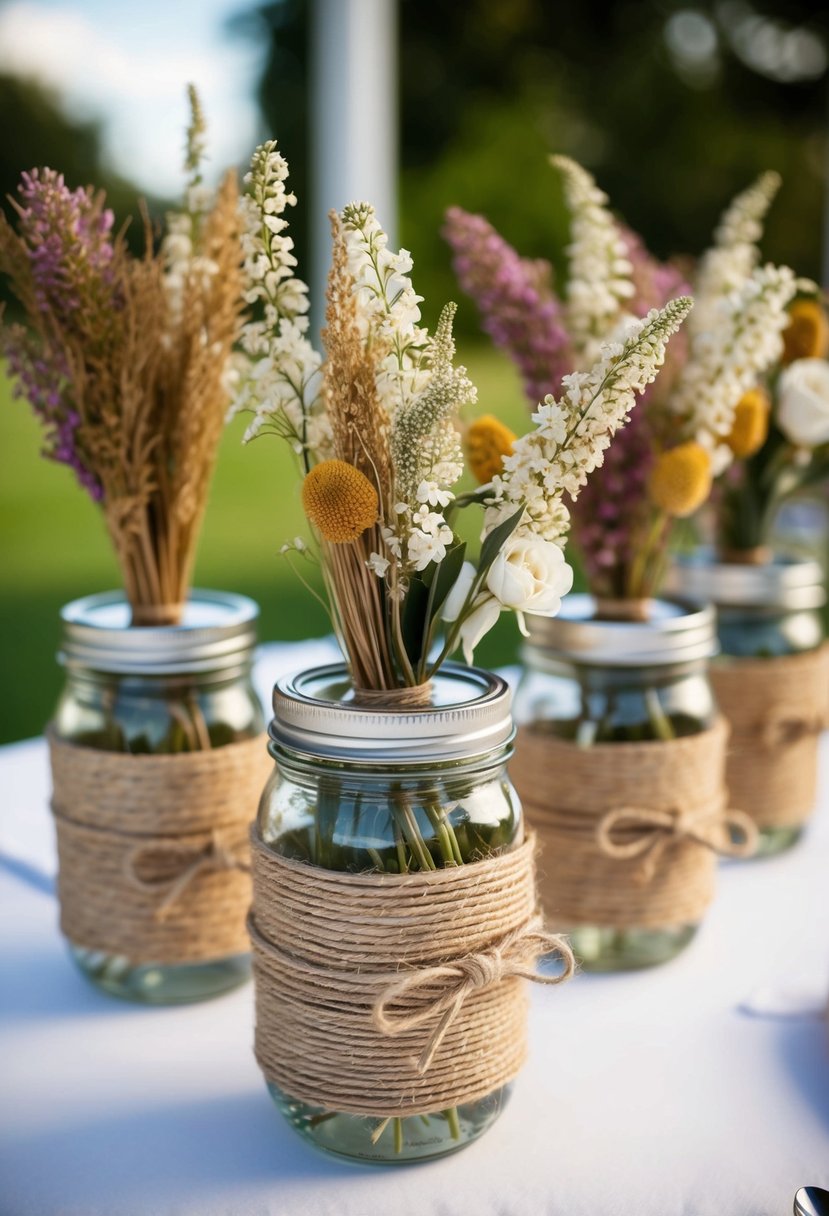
[
  {"x": 37, "y": 132},
  {"x": 673, "y": 108}
]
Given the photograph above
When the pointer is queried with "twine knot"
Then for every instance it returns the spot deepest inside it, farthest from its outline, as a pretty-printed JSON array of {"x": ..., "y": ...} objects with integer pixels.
[
  {"x": 648, "y": 833},
  {"x": 781, "y": 727},
  {"x": 440, "y": 991},
  {"x": 179, "y": 865}
]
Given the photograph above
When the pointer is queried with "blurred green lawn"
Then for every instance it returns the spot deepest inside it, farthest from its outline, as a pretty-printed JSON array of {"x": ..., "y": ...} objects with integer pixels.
[{"x": 54, "y": 546}]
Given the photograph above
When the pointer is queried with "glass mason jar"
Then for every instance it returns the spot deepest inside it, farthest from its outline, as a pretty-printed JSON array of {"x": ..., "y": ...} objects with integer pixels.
[
  {"x": 359, "y": 789},
  {"x": 764, "y": 611},
  {"x": 589, "y": 680},
  {"x": 158, "y": 690}
]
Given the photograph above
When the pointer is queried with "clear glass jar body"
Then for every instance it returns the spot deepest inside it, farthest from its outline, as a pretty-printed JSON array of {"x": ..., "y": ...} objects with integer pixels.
[
  {"x": 591, "y": 703},
  {"x": 760, "y": 632},
  {"x": 765, "y": 610},
  {"x": 158, "y": 715},
  {"x": 390, "y": 818}
]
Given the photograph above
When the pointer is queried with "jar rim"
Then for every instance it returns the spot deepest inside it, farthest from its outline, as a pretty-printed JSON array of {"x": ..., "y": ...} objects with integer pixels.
[
  {"x": 677, "y": 631},
  {"x": 217, "y": 632},
  {"x": 315, "y": 716},
  {"x": 787, "y": 581}
]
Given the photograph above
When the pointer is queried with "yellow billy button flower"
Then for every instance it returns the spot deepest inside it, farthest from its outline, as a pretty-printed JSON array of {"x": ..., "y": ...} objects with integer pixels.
[
  {"x": 751, "y": 424},
  {"x": 487, "y": 441},
  {"x": 339, "y": 500},
  {"x": 680, "y": 480},
  {"x": 807, "y": 334}
]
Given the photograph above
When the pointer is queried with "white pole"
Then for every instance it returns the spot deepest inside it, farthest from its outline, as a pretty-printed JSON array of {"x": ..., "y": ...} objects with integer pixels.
[{"x": 353, "y": 121}]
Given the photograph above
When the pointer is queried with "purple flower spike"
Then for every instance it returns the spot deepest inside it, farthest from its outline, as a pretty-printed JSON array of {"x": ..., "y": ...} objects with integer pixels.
[
  {"x": 68, "y": 241},
  {"x": 518, "y": 308}
]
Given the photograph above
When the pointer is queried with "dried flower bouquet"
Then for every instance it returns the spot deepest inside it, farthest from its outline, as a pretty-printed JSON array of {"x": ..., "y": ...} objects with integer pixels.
[
  {"x": 126, "y": 360},
  {"x": 375, "y": 429},
  {"x": 693, "y": 420}
]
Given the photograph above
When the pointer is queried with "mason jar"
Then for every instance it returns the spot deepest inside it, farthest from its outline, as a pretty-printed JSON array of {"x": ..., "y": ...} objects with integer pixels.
[
  {"x": 158, "y": 691},
  {"x": 364, "y": 790},
  {"x": 765, "y": 612},
  {"x": 587, "y": 681}
]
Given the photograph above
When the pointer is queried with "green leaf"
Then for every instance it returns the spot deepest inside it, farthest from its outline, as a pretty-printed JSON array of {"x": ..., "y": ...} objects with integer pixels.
[
  {"x": 413, "y": 624},
  {"x": 496, "y": 539},
  {"x": 442, "y": 577}
]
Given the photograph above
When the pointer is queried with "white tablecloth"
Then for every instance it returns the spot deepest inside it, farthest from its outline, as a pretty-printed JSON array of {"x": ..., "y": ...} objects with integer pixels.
[{"x": 646, "y": 1094}]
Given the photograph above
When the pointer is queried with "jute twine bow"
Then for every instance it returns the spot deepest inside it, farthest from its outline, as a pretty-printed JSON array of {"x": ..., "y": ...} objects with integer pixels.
[
  {"x": 152, "y": 850},
  {"x": 647, "y": 834},
  {"x": 628, "y": 831},
  {"x": 395, "y": 994},
  {"x": 460, "y": 979},
  {"x": 777, "y": 708},
  {"x": 188, "y": 861}
]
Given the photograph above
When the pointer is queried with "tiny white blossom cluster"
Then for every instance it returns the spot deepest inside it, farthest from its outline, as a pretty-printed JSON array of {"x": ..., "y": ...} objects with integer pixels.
[
  {"x": 387, "y": 305},
  {"x": 426, "y": 450},
  {"x": 181, "y": 247},
  {"x": 726, "y": 360},
  {"x": 731, "y": 260},
  {"x": 281, "y": 383},
  {"x": 419, "y": 387},
  {"x": 571, "y": 435},
  {"x": 600, "y": 282}
]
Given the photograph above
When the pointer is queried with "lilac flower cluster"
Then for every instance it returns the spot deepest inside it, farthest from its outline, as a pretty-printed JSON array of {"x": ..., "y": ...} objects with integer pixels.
[
  {"x": 522, "y": 315},
  {"x": 67, "y": 238},
  {"x": 518, "y": 308},
  {"x": 42, "y": 378}
]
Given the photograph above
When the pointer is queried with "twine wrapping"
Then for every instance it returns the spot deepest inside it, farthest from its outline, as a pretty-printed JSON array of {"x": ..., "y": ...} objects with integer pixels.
[
  {"x": 145, "y": 615},
  {"x": 387, "y": 994},
  {"x": 777, "y": 708},
  {"x": 629, "y": 832},
  {"x": 411, "y": 696},
  {"x": 153, "y": 851},
  {"x": 627, "y": 609}
]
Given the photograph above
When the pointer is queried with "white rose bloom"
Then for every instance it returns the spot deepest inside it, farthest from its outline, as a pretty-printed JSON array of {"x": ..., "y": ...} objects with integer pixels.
[
  {"x": 803, "y": 408},
  {"x": 461, "y": 587},
  {"x": 530, "y": 575}
]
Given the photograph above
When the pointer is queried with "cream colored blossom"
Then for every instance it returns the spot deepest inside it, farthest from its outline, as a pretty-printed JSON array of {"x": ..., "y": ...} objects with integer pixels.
[
  {"x": 730, "y": 261},
  {"x": 727, "y": 360},
  {"x": 803, "y": 402},
  {"x": 571, "y": 434},
  {"x": 281, "y": 384},
  {"x": 600, "y": 283}
]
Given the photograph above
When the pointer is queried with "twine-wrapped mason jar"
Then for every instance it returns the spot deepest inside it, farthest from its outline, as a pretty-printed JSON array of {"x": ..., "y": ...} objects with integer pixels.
[
  {"x": 771, "y": 680},
  {"x": 158, "y": 756},
  {"x": 394, "y": 915},
  {"x": 620, "y": 766}
]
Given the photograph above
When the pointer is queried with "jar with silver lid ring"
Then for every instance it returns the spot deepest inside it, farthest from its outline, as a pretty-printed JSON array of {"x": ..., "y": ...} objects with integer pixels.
[
  {"x": 158, "y": 691},
  {"x": 369, "y": 791},
  {"x": 766, "y": 611},
  {"x": 589, "y": 681}
]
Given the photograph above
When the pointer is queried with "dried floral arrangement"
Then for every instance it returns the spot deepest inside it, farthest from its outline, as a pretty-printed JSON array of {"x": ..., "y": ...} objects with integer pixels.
[
  {"x": 780, "y": 437},
  {"x": 692, "y": 422},
  {"x": 375, "y": 428},
  {"x": 126, "y": 359}
]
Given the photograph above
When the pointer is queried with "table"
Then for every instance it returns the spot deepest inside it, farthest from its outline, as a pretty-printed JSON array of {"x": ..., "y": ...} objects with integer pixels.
[{"x": 646, "y": 1094}]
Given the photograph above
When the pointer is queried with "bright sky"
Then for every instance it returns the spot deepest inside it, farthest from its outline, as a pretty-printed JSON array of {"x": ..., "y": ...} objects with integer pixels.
[{"x": 126, "y": 63}]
